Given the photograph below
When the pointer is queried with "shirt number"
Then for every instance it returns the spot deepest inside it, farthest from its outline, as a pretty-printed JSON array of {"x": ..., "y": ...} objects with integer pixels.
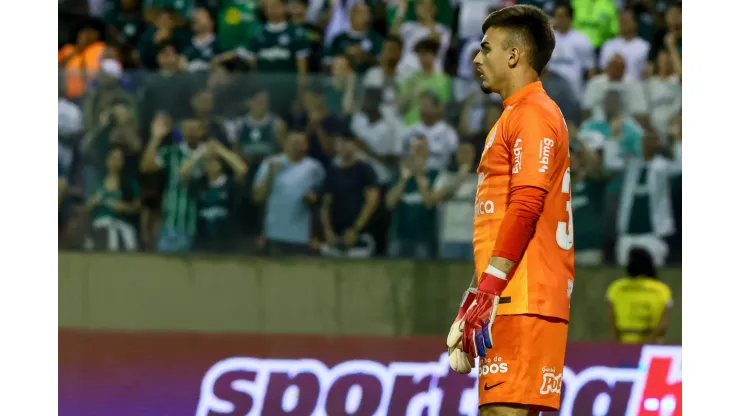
[{"x": 564, "y": 234}]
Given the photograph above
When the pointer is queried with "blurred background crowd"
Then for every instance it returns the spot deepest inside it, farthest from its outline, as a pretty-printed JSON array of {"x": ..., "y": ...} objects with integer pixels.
[{"x": 349, "y": 128}]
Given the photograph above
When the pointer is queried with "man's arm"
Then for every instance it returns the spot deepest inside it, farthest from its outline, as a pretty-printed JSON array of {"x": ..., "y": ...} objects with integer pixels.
[
  {"x": 394, "y": 195},
  {"x": 262, "y": 183}
]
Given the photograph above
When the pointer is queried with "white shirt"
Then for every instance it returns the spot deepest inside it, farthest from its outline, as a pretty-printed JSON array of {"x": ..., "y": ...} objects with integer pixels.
[
  {"x": 375, "y": 78},
  {"x": 382, "y": 136},
  {"x": 633, "y": 94},
  {"x": 664, "y": 97},
  {"x": 412, "y": 33},
  {"x": 634, "y": 52},
  {"x": 472, "y": 14},
  {"x": 573, "y": 55},
  {"x": 456, "y": 214},
  {"x": 442, "y": 141}
]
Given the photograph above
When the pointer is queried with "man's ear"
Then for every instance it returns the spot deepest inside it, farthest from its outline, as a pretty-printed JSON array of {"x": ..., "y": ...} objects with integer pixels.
[{"x": 514, "y": 56}]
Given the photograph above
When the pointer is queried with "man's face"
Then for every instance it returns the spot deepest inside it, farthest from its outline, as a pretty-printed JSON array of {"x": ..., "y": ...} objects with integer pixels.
[
  {"x": 426, "y": 59},
  {"x": 212, "y": 166},
  {"x": 493, "y": 62},
  {"x": 562, "y": 20},
  {"x": 202, "y": 21},
  {"x": 615, "y": 68},
  {"x": 418, "y": 149},
  {"x": 613, "y": 103},
  {"x": 259, "y": 103},
  {"x": 168, "y": 58},
  {"x": 275, "y": 10},
  {"x": 165, "y": 20},
  {"x": 345, "y": 147},
  {"x": 391, "y": 51},
  {"x": 673, "y": 18},
  {"x": 627, "y": 23},
  {"x": 297, "y": 11},
  {"x": 297, "y": 143},
  {"x": 203, "y": 103},
  {"x": 339, "y": 66},
  {"x": 428, "y": 107},
  {"x": 114, "y": 161},
  {"x": 360, "y": 16},
  {"x": 425, "y": 9},
  {"x": 193, "y": 131}
]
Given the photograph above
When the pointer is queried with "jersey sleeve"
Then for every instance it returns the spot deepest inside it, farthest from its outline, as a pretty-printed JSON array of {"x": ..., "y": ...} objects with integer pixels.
[{"x": 533, "y": 143}]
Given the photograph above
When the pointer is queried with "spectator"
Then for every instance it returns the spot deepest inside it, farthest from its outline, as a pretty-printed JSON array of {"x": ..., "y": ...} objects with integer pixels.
[
  {"x": 633, "y": 49},
  {"x": 115, "y": 206},
  {"x": 588, "y": 184},
  {"x": 169, "y": 90},
  {"x": 413, "y": 231},
  {"x": 441, "y": 139},
  {"x": 360, "y": 43},
  {"x": 202, "y": 104},
  {"x": 125, "y": 20},
  {"x": 413, "y": 32},
  {"x": 166, "y": 29},
  {"x": 477, "y": 118},
  {"x": 288, "y": 183},
  {"x": 573, "y": 57},
  {"x": 259, "y": 133},
  {"x": 597, "y": 19},
  {"x": 385, "y": 75},
  {"x": 203, "y": 46},
  {"x": 671, "y": 35},
  {"x": 473, "y": 12},
  {"x": 81, "y": 61},
  {"x": 378, "y": 134},
  {"x": 639, "y": 303},
  {"x": 456, "y": 191},
  {"x": 561, "y": 92},
  {"x": 467, "y": 82},
  {"x": 314, "y": 33},
  {"x": 426, "y": 79},
  {"x": 237, "y": 20},
  {"x": 351, "y": 196},
  {"x": 645, "y": 214},
  {"x": 179, "y": 205},
  {"x": 663, "y": 92},
  {"x": 217, "y": 196},
  {"x": 321, "y": 125},
  {"x": 614, "y": 78},
  {"x": 279, "y": 46},
  {"x": 341, "y": 87}
]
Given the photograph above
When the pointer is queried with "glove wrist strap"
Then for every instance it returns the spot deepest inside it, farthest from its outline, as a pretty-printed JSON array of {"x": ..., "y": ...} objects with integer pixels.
[{"x": 493, "y": 281}]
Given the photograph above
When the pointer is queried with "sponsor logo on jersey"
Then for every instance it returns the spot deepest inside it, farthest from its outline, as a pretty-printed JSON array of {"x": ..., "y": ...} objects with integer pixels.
[
  {"x": 484, "y": 207},
  {"x": 550, "y": 382},
  {"x": 544, "y": 158},
  {"x": 517, "y": 157}
]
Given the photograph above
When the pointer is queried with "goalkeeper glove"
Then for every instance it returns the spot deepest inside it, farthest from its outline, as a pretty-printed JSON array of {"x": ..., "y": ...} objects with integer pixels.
[
  {"x": 477, "y": 323},
  {"x": 459, "y": 361}
]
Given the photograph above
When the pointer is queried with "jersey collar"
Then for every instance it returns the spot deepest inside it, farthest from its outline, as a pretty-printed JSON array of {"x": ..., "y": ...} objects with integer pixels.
[{"x": 523, "y": 93}]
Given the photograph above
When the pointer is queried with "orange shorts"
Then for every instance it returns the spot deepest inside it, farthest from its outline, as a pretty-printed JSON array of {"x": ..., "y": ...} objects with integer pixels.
[{"x": 525, "y": 365}]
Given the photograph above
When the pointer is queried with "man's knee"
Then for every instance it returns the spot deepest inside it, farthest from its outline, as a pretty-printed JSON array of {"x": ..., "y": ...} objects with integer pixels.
[{"x": 505, "y": 409}]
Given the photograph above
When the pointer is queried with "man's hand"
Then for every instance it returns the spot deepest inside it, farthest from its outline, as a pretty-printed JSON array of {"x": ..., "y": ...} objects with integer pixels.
[
  {"x": 460, "y": 361},
  {"x": 477, "y": 324}
]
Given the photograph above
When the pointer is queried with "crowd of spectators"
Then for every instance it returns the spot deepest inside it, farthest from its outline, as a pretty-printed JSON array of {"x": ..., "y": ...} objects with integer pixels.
[{"x": 349, "y": 128}]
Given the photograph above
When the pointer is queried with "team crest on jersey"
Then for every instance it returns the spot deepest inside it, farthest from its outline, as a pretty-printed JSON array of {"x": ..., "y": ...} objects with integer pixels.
[{"x": 491, "y": 138}]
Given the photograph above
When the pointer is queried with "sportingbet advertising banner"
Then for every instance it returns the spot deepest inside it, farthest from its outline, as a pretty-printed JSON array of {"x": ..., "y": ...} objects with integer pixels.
[{"x": 179, "y": 374}]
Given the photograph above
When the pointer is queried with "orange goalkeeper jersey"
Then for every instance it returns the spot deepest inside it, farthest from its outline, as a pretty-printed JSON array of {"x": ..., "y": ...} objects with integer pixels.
[{"x": 528, "y": 146}]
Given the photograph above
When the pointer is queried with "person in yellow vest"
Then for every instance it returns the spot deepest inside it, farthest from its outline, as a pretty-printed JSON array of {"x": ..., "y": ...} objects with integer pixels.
[
  {"x": 639, "y": 303},
  {"x": 81, "y": 61}
]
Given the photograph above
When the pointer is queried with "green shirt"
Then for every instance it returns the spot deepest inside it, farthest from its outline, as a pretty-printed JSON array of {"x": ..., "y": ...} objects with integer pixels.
[
  {"x": 597, "y": 19},
  {"x": 416, "y": 83},
  {"x": 181, "y": 7},
  {"x": 587, "y": 203},
  {"x": 258, "y": 139},
  {"x": 412, "y": 220},
  {"x": 217, "y": 203},
  {"x": 445, "y": 13},
  {"x": 236, "y": 23},
  {"x": 369, "y": 41},
  {"x": 277, "y": 47},
  {"x": 129, "y": 26},
  {"x": 178, "y": 202},
  {"x": 199, "y": 55},
  {"x": 128, "y": 191}
]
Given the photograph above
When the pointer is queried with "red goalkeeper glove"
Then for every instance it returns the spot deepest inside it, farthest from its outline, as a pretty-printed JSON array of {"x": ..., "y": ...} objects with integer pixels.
[
  {"x": 459, "y": 361},
  {"x": 477, "y": 323}
]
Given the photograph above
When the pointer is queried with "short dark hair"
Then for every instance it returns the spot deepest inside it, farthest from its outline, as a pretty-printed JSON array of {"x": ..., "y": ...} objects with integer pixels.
[
  {"x": 641, "y": 263},
  {"x": 530, "y": 25},
  {"x": 565, "y": 5},
  {"x": 427, "y": 45}
]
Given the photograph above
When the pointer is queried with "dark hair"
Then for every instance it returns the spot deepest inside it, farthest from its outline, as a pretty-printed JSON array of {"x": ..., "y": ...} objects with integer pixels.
[
  {"x": 641, "y": 264},
  {"x": 565, "y": 5},
  {"x": 427, "y": 45},
  {"x": 395, "y": 39},
  {"x": 630, "y": 10},
  {"x": 528, "y": 24}
]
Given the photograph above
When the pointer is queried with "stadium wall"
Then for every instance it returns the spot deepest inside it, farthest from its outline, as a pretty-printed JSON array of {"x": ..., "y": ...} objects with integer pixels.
[{"x": 294, "y": 295}]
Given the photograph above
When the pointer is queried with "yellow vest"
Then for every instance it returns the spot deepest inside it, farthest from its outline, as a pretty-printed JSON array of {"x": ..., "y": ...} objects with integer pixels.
[{"x": 638, "y": 304}]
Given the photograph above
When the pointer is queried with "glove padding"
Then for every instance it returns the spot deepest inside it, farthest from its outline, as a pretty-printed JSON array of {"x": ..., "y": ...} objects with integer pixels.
[{"x": 460, "y": 361}]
